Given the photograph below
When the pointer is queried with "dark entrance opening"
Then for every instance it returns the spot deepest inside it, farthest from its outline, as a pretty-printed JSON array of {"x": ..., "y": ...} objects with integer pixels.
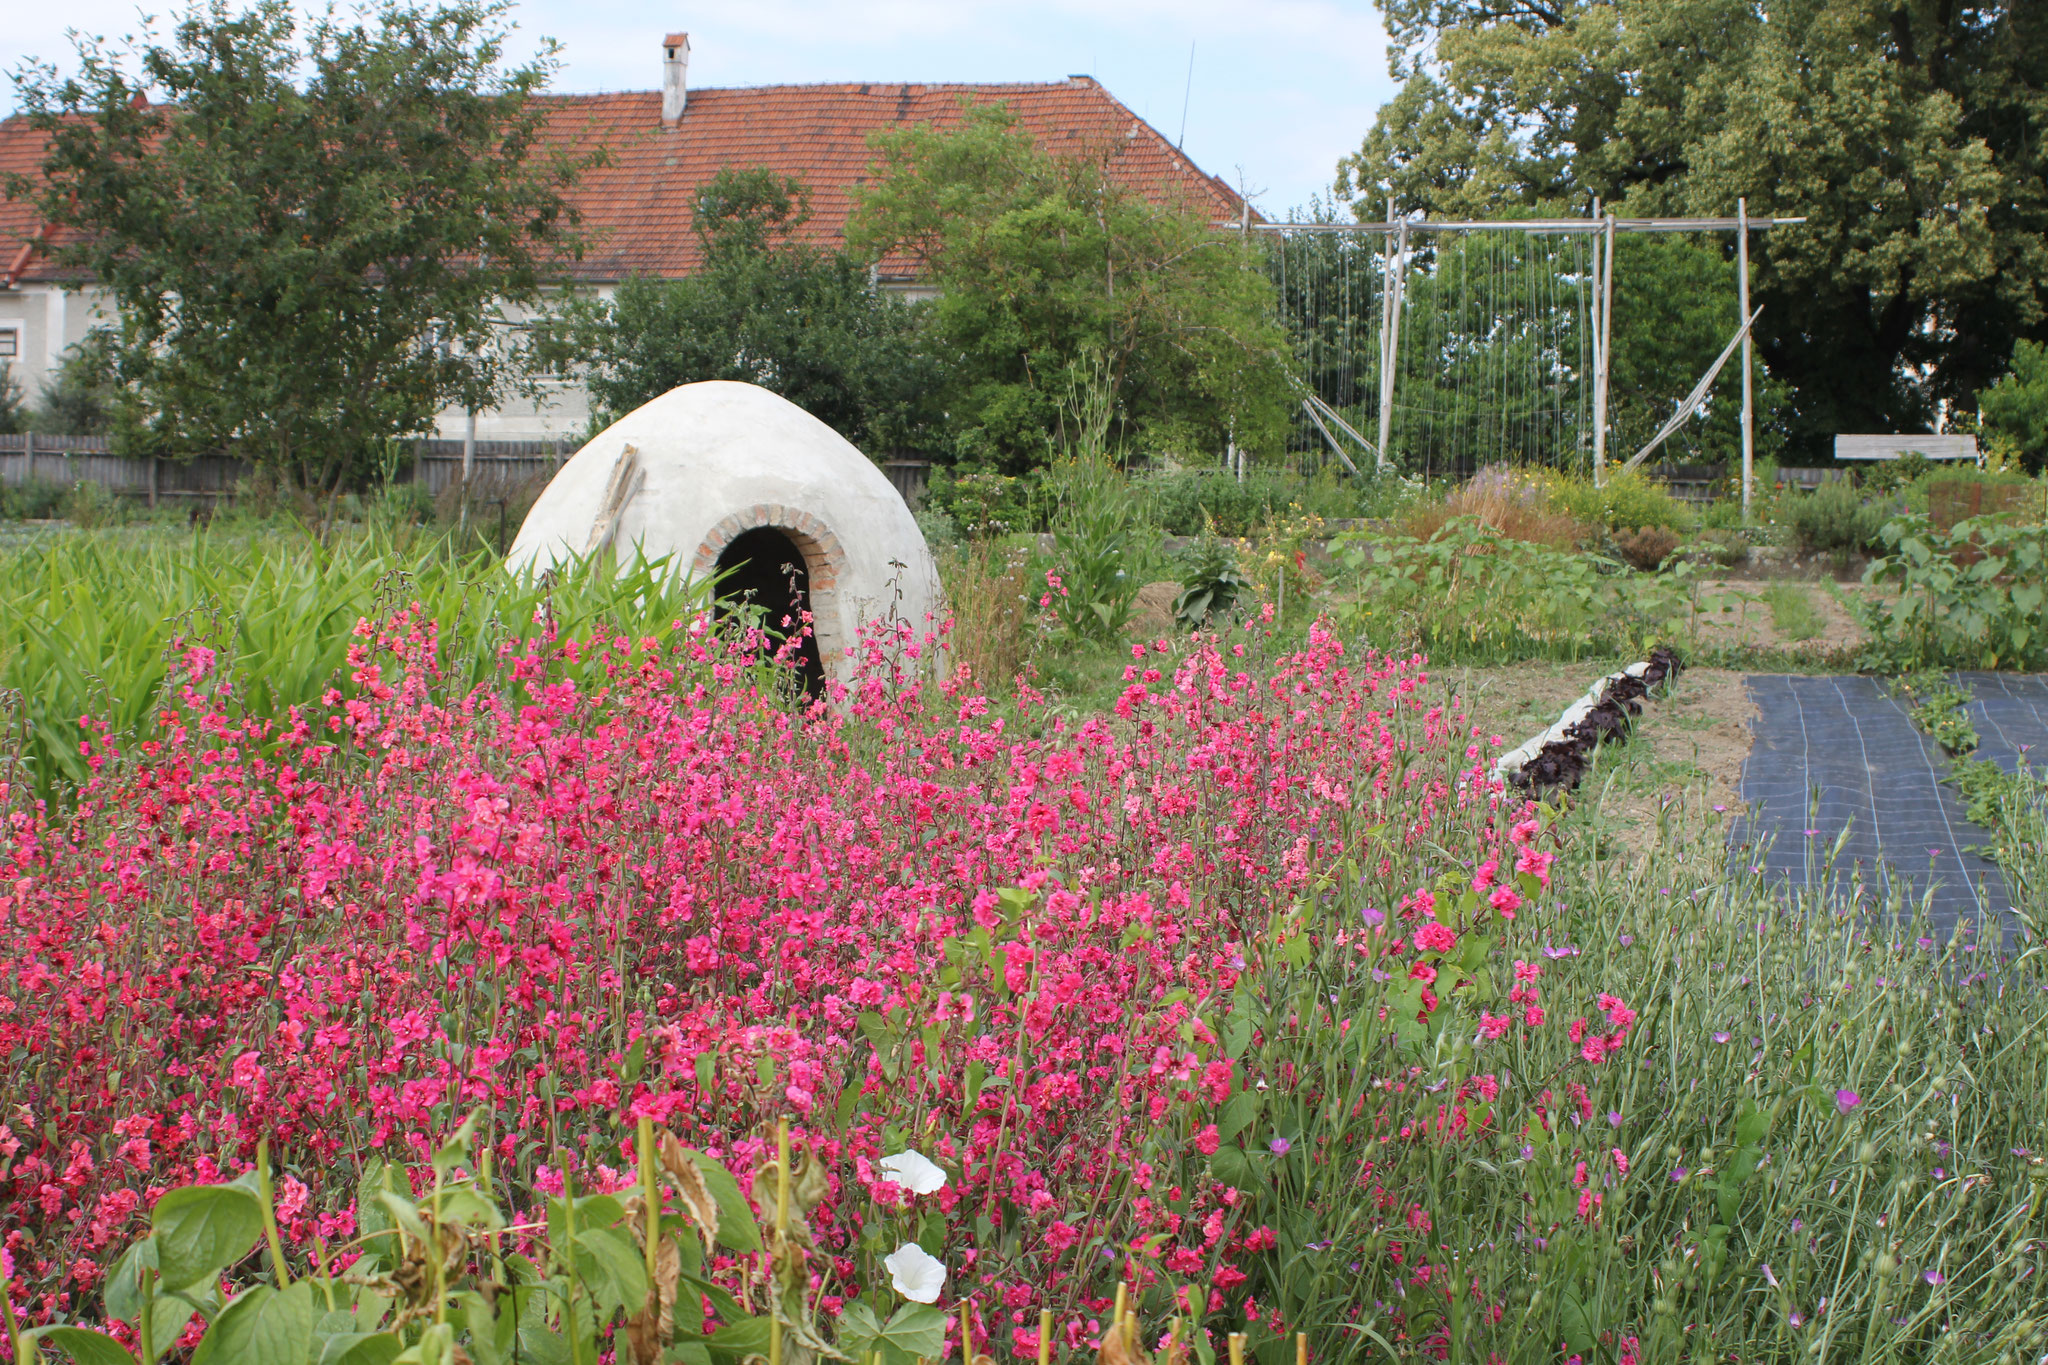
[{"x": 762, "y": 576}]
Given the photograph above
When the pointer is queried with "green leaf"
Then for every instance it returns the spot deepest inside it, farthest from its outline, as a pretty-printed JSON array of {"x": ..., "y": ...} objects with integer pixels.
[
  {"x": 1230, "y": 1166},
  {"x": 737, "y": 1230},
  {"x": 1574, "y": 1323},
  {"x": 1237, "y": 1034},
  {"x": 914, "y": 1331},
  {"x": 1752, "y": 1123},
  {"x": 201, "y": 1229},
  {"x": 614, "y": 1267},
  {"x": 361, "y": 1348},
  {"x": 455, "y": 1151},
  {"x": 462, "y": 1204},
  {"x": 261, "y": 1327},
  {"x": 1238, "y": 1112},
  {"x": 87, "y": 1348},
  {"x": 737, "y": 1340},
  {"x": 124, "y": 1289}
]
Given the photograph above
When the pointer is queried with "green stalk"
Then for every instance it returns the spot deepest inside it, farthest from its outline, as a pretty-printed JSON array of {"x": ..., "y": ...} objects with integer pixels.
[
  {"x": 148, "y": 1324},
  {"x": 781, "y": 1239},
  {"x": 650, "y": 1195},
  {"x": 24, "y": 1349},
  {"x": 569, "y": 1264},
  {"x": 265, "y": 1192}
]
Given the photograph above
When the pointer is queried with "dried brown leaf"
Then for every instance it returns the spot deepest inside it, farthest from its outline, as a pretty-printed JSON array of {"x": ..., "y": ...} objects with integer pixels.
[
  {"x": 689, "y": 1183},
  {"x": 1120, "y": 1347},
  {"x": 811, "y": 1185},
  {"x": 650, "y": 1330}
]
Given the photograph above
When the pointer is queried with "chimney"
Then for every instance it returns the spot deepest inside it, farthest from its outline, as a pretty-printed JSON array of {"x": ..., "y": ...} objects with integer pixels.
[{"x": 675, "y": 71}]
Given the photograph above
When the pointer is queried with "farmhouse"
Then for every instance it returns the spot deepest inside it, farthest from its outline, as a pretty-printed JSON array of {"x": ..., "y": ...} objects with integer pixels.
[{"x": 663, "y": 145}]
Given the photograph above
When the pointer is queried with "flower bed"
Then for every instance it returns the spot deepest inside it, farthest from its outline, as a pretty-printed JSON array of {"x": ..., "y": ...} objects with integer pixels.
[{"x": 898, "y": 923}]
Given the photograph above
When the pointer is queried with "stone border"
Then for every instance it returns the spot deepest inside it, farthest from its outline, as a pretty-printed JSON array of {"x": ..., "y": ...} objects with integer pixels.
[{"x": 824, "y": 560}]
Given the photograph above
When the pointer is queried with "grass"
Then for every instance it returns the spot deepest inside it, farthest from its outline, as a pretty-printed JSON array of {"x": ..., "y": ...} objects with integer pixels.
[
  {"x": 1820, "y": 1143},
  {"x": 1793, "y": 614},
  {"x": 97, "y": 617}
]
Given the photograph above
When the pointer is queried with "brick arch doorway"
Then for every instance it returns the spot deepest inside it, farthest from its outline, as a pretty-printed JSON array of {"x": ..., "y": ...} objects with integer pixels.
[{"x": 784, "y": 562}]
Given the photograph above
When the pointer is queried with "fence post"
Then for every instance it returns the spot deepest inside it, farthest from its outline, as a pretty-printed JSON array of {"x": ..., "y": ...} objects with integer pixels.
[
  {"x": 152, "y": 481},
  {"x": 28, "y": 457}
]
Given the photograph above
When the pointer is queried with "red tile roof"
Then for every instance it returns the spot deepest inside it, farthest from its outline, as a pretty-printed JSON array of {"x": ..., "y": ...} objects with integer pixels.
[{"x": 637, "y": 208}]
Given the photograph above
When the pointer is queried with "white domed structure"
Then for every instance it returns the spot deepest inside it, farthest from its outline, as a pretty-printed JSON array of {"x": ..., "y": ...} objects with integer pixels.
[{"x": 726, "y": 476}]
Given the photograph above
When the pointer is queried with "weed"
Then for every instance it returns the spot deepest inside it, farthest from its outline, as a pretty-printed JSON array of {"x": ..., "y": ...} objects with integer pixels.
[{"x": 1793, "y": 615}]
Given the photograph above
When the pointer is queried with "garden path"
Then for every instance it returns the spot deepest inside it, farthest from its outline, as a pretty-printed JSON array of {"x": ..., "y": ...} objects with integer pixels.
[{"x": 1836, "y": 753}]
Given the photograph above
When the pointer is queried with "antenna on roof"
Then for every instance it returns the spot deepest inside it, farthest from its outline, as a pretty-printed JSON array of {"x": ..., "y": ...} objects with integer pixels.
[{"x": 1189, "y": 90}]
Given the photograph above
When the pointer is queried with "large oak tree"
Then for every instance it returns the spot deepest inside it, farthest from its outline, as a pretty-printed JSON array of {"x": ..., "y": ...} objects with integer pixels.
[{"x": 1909, "y": 132}]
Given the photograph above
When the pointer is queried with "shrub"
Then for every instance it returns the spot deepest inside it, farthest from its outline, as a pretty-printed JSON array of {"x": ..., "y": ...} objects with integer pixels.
[
  {"x": 1472, "y": 593},
  {"x": 1097, "y": 551},
  {"x": 1507, "y": 501},
  {"x": 1183, "y": 504},
  {"x": 1645, "y": 548},
  {"x": 1211, "y": 581},
  {"x": 1628, "y": 500},
  {"x": 1972, "y": 597},
  {"x": 1833, "y": 519},
  {"x": 990, "y": 597},
  {"x": 32, "y": 499},
  {"x": 1725, "y": 547},
  {"x": 2016, "y": 407},
  {"x": 983, "y": 504}
]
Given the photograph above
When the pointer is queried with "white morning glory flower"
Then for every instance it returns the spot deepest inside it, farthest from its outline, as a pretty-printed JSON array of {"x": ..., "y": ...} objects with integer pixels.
[
  {"x": 916, "y": 1276},
  {"x": 913, "y": 1172}
]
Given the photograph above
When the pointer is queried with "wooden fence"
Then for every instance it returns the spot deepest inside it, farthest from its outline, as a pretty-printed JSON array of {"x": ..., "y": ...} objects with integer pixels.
[{"x": 68, "y": 460}]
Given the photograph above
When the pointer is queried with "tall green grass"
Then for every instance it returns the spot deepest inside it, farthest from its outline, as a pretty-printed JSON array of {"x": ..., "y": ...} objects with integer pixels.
[
  {"x": 93, "y": 619},
  {"x": 1827, "y": 1138}
]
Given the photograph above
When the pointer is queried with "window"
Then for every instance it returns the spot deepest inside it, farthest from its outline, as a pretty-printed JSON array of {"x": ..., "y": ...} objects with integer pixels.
[{"x": 10, "y": 343}]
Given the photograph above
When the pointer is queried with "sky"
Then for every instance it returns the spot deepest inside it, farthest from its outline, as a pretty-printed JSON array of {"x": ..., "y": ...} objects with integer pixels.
[{"x": 1280, "y": 89}]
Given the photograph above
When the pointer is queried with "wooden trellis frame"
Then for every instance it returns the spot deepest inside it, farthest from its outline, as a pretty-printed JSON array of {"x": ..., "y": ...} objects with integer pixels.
[{"x": 1398, "y": 228}]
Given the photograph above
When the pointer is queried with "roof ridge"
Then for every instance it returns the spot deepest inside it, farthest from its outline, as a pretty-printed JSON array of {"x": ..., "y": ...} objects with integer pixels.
[{"x": 696, "y": 90}]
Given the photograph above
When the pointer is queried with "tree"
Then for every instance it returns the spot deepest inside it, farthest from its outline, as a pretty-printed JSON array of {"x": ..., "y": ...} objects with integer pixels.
[
  {"x": 13, "y": 414},
  {"x": 2016, "y": 407},
  {"x": 304, "y": 270},
  {"x": 1909, "y": 132},
  {"x": 765, "y": 309},
  {"x": 82, "y": 398},
  {"x": 1044, "y": 264}
]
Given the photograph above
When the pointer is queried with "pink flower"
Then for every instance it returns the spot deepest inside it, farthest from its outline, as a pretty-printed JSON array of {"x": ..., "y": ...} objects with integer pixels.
[
  {"x": 1506, "y": 900},
  {"x": 1845, "y": 1100},
  {"x": 1435, "y": 938}
]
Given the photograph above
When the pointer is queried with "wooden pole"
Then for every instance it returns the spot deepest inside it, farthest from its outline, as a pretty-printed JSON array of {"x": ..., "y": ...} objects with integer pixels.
[
  {"x": 1604, "y": 356},
  {"x": 1387, "y": 307},
  {"x": 1748, "y": 398},
  {"x": 1396, "y": 294},
  {"x": 1597, "y": 275}
]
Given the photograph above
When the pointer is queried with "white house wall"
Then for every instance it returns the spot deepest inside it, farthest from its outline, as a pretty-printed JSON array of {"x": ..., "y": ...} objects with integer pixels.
[{"x": 48, "y": 320}]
